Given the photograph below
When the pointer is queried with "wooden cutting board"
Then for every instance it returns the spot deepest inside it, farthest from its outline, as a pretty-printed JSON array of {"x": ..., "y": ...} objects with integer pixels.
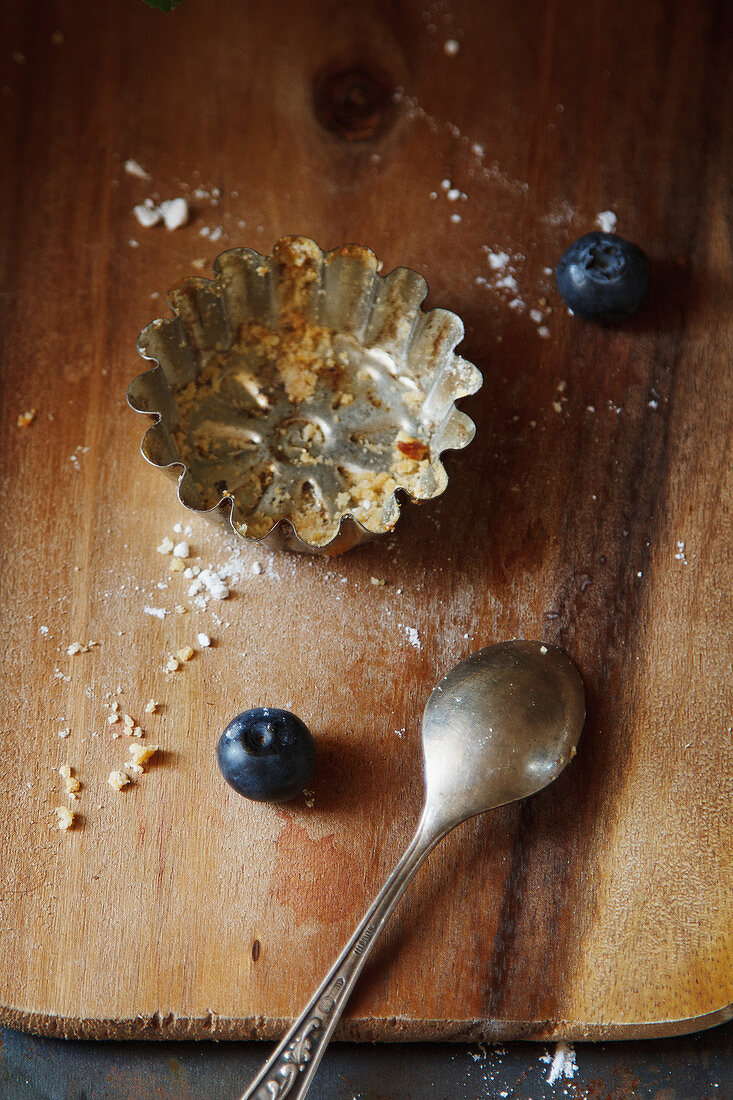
[{"x": 593, "y": 511}]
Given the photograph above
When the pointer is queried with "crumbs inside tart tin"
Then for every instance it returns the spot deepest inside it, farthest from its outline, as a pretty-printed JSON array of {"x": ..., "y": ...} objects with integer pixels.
[
  {"x": 304, "y": 387},
  {"x": 302, "y": 423}
]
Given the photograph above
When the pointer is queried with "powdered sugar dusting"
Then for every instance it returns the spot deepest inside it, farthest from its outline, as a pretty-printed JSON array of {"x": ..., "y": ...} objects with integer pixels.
[{"x": 562, "y": 1063}]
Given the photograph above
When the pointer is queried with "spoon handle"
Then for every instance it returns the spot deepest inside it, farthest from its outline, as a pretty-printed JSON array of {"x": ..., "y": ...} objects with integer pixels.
[{"x": 291, "y": 1067}]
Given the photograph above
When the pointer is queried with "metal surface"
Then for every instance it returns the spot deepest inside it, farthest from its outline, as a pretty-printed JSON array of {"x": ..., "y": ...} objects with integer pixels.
[
  {"x": 692, "y": 1067},
  {"x": 301, "y": 391},
  {"x": 499, "y": 727}
]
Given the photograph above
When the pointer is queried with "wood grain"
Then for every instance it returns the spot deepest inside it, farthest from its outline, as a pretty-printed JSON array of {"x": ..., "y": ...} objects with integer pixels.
[{"x": 593, "y": 510}]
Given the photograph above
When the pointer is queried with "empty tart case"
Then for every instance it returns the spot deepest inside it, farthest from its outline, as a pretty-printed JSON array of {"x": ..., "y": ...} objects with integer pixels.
[{"x": 298, "y": 395}]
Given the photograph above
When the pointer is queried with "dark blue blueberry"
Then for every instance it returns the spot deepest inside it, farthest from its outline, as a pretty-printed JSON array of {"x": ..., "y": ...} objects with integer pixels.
[
  {"x": 603, "y": 277},
  {"x": 267, "y": 754}
]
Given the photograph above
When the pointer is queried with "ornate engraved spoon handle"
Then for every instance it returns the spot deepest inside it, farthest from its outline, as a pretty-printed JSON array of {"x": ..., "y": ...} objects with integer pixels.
[{"x": 290, "y": 1069}]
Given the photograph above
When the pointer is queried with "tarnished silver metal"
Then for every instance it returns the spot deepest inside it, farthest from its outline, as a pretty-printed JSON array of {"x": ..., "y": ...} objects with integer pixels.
[
  {"x": 299, "y": 394},
  {"x": 499, "y": 727}
]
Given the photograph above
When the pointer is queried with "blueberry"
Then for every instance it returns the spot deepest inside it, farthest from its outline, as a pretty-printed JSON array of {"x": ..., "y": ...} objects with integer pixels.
[
  {"x": 266, "y": 754},
  {"x": 603, "y": 277}
]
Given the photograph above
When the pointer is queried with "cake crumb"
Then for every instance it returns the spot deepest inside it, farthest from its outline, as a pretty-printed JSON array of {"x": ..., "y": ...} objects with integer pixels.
[
  {"x": 204, "y": 640},
  {"x": 128, "y": 720},
  {"x": 176, "y": 565},
  {"x": 26, "y": 419},
  {"x": 141, "y": 753},
  {"x": 64, "y": 818},
  {"x": 180, "y": 609},
  {"x": 607, "y": 221},
  {"x": 256, "y": 567},
  {"x": 64, "y": 733},
  {"x": 134, "y": 169},
  {"x": 166, "y": 545},
  {"x": 181, "y": 550},
  {"x": 117, "y": 780},
  {"x": 378, "y": 581},
  {"x": 172, "y": 665},
  {"x": 151, "y": 706},
  {"x": 79, "y": 647},
  {"x": 185, "y": 653},
  {"x": 134, "y": 769}
]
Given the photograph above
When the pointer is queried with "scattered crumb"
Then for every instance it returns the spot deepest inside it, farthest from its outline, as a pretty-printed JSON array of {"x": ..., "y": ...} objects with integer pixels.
[
  {"x": 607, "y": 221},
  {"x": 174, "y": 213},
  {"x": 64, "y": 733},
  {"x": 378, "y": 581},
  {"x": 543, "y": 649},
  {"x": 181, "y": 550},
  {"x": 156, "y": 612},
  {"x": 256, "y": 567},
  {"x": 147, "y": 214},
  {"x": 134, "y": 169},
  {"x": 176, "y": 565},
  {"x": 172, "y": 665},
  {"x": 180, "y": 609},
  {"x": 166, "y": 545},
  {"x": 117, "y": 780},
  {"x": 151, "y": 706},
  {"x": 204, "y": 641},
  {"x": 26, "y": 419},
  {"x": 563, "y": 1063},
  {"x": 134, "y": 769},
  {"x": 413, "y": 637},
  {"x": 185, "y": 653},
  {"x": 65, "y": 818},
  {"x": 199, "y": 263},
  {"x": 141, "y": 753},
  {"x": 309, "y": 797},
  {"x": 129, "y": 721},
  {"x": 79, "y": 647}
]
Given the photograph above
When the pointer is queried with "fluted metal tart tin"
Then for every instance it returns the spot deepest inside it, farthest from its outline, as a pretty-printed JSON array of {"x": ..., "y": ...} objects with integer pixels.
[{"x": 299, "y": 396}]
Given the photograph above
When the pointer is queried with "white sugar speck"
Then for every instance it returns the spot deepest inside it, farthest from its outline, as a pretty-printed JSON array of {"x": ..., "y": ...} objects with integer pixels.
[
  {"x": 563, "y": 1063},
  {"x": 413, "y": 637},
  {"x": 156, "y": 612},
  {"x": 134, "y": 169},
  {"x": 607, "y": 221},
  {"x": 451, "y": 47}
]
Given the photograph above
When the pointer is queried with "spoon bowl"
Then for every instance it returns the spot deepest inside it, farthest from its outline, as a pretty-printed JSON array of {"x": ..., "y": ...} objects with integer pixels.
[{"x": 500, "y": 726}]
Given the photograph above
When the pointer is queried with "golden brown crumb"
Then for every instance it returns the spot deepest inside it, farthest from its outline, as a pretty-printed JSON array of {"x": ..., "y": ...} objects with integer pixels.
[
  {"x": 65, "y": 818},
  {"x": 26, "y": 419},
  {"x": 134, "y": 769},
  {"x": 141, "y": 753},
  {"x": 177, "y": 565},
  {"x": 79, "y": 647},
  {"x": 128, "y": 720},
  {"x": 185, "y": 653},
  {"x": 117, "y": 780},
  {"x": 151, "y": 706},
  {"x": 378, "y": 581}
]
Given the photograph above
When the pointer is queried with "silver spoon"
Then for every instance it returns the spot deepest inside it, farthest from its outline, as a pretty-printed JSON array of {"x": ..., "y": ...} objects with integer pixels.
[{"x": 500, "y": 726}]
